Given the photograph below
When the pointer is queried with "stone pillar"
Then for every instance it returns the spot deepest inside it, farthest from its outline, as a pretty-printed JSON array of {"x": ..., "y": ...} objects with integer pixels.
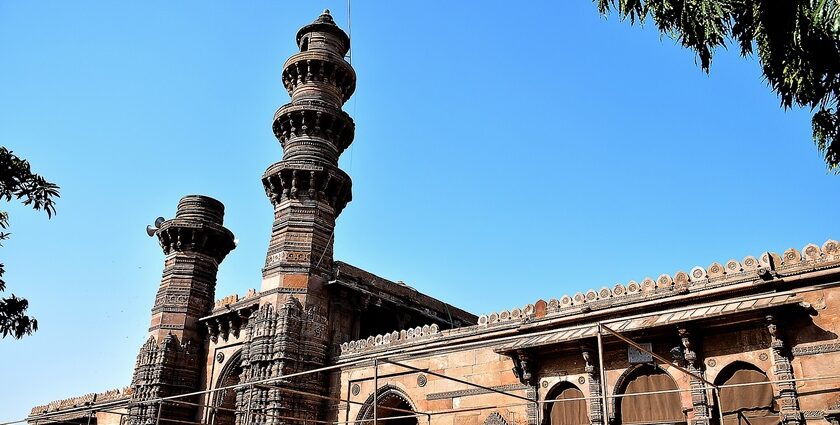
[
  {"x": 783, "y": 370},
  {"x": 289, "y": 332},
  {"x": 306, "y": 188},
  {"x": 698, "y": 388},
  {"x": 170, "y": 362},
  {"x": 593, "y": 375}
]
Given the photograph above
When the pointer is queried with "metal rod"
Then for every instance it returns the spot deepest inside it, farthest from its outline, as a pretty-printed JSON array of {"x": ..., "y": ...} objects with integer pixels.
[
  {"x": 719, "y": 406},
  {"x": 323, "y": 397},
  {"x": 603, "y": 376},
  {"x": 461, "y": 381},
  {"x": 159, "y": 410},
  {"x": 654, "y": 355},
  {"x": 248, "y": 408},
  {"x": 375, "y": 389}
]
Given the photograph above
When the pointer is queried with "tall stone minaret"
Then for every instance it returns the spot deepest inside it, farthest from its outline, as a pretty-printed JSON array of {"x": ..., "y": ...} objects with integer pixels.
[
  {"x": 171, "y": 360},
  {"x": 290, "y": 332},
  {"x": 306, "y": 187}
]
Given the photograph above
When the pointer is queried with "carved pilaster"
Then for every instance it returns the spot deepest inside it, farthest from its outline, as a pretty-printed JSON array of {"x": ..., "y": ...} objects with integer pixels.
[
  {"x": 783, "y": 371},
  {"x": 699, "y": 399},
  {"x": 596, "y": 408},
  {"x": 279, "y": 342}
]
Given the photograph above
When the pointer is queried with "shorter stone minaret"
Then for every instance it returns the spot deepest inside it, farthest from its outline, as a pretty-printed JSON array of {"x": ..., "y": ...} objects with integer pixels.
[{"x": 169, "y": 363}]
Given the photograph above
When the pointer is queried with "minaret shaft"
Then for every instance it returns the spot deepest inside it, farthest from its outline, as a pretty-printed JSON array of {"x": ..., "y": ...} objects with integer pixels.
[{"x": 306, "y": 188}]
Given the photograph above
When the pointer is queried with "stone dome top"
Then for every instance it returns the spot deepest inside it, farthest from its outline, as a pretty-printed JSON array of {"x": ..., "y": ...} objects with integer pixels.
[{"x": 324, "y": 23}]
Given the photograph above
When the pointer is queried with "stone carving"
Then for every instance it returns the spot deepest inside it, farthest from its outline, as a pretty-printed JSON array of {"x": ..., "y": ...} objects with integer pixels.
[
  {"x": 698, "y": 388},
  {"x": 596, "y": 409},
  {"x": 277, "y": 343},
  {"x": 699, "y": 279},
  {"x": 422, "y": 380},
  {"x": 163, "y": 369},
  {"x": 307, "y": 188},
  {"x": 808, "y": 350},
  {"x": 524, "y": 367},
  {"x": 394, "y": 338},
  {"x": 783, "y": 371},
  {"x": 195, "y": 242},
  {"x": 495, "y": 419},
  {"x": 85, "y": 400},
  {"x": 475, "y": 391}
]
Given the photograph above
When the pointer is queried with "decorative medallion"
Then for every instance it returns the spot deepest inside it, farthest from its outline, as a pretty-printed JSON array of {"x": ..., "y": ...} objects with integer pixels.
[
  {"x": 711, "y": 362},
  {"x": 356, "y": 389},
  {"x": 581, "y": 380},
  {"x": 422, "y": 380},
  {"x": 545, "y": 384},
  {"x": 763, "y": 357},
  {"x": 220, "y": 357}
]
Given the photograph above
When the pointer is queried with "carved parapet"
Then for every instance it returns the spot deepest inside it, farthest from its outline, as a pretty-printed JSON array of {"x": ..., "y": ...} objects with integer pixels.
[
  {"x": 319, "y": 67},
  {"x": 91, "y": 399},
  {"x": 395, "y": 338},
  {"x": 294, "y": 179},
  {"x": 197, "y": 227},
  {"x": 234, "y": 301},
  {"x": 314, "y": 121},
  {"x": 699, "y": 279}
]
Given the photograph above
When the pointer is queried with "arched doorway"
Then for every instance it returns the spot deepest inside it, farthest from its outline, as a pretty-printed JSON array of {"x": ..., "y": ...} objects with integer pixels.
[
  {"x": 226, "y": 399},
  {"x": 656, "y": 402},
  {"x": 746, "y": 404},
  {"x": 391, "y": 403},
  {"x": 568, "y": 408}
]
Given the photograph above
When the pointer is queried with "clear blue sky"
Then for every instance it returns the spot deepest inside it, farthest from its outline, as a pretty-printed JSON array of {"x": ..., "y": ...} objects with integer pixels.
[{"x": 504, "y": 153}]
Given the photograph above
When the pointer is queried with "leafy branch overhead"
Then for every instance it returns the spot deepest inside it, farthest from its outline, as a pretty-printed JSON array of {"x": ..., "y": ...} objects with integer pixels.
[
  {"x": 17, "y": 181},
  {"x": 797, "y": 43}
]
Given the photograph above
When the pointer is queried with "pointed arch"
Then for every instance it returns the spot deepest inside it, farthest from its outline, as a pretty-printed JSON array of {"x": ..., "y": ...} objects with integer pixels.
[
  {"x": 226, "y": 399},
  {"x": 659, "y": 408},
  {"x": 572, "y": 411},
  {"x": 388, "y": 397},
  {"x": 746, "y": 404}
]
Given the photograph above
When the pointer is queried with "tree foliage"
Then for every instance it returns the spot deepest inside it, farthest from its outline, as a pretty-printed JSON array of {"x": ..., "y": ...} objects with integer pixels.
[
  {"x": 18, "y": 182},
  {"x": 797, "y": 43}
]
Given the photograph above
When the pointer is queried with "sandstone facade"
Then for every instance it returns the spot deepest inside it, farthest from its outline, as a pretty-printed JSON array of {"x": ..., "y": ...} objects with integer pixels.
[{"x": 321, "y": 341}]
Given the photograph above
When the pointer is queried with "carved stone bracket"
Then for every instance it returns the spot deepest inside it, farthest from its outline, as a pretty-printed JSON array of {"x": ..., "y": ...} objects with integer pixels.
[
  {"x": 524, "y": 367},
  {"x": 228, "y": 324}
]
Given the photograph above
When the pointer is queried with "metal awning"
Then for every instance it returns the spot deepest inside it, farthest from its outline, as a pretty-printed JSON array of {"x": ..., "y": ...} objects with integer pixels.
[{"x": 709, "y": 310}]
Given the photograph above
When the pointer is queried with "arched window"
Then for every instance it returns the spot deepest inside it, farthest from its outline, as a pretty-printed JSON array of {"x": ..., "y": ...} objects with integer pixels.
[
  {"x": 746, "y": 404},
  {"x": 656, "y": 402},
  {"x": 568, "y": 406},
  {"x": 226, "y": 399},
  {"x": 391, "y": 402}
]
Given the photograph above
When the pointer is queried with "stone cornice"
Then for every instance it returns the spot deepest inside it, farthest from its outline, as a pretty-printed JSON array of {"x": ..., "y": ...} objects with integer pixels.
[{"x": 732, "y": 278}]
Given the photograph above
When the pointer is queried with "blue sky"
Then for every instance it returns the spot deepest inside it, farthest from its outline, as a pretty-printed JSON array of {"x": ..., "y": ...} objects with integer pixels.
[{"x": 504, "y": 153}]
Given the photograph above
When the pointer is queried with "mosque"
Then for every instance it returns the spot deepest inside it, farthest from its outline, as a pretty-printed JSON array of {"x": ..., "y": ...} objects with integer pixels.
[{"x": 751, "y": 341}]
